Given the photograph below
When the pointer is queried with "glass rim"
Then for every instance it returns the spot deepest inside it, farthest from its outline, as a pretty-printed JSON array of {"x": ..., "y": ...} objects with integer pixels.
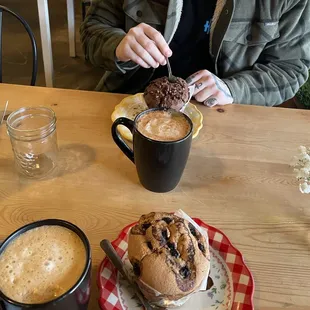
[{"x": 24, "y": 109}]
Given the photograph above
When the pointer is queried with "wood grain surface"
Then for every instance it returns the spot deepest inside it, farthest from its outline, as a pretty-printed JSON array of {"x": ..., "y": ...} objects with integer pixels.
[{"x": 237, "y": 178}]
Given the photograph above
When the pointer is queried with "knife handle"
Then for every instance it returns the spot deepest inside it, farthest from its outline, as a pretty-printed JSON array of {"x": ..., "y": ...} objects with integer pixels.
[{"x": 113, "y": 256}]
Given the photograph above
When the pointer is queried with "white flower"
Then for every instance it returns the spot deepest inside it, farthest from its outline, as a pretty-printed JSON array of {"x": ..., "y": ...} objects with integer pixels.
[
  {"x": 305, "y": 171},
  {"x": 306, "y": 158},
  {"x": 301, "y": 163},
  {"x": 295, "y": 161},
  {"x": 304, "y": 188},
  {"x": 300, "y": 160},
  {"x": 303, "y": 149},
  {"x": 302, "y": 173},
  {"x": 307, "y": 165}
]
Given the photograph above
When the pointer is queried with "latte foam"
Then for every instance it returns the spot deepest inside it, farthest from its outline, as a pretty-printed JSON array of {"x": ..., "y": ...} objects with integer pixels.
[
  {"x": 41, "y": 264},
  {"x": 163, "y": 125}
]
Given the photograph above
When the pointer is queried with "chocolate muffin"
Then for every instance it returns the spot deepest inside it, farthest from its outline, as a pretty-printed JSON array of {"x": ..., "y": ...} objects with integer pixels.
[
  {"x": 164, "y": 94},
  {"x": 169, "y": 255}
]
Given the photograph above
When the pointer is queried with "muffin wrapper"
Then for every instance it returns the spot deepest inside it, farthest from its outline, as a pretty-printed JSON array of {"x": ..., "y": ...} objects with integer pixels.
[
  {"x": 159, "y": 300},
  {"x": 191, "y": 90}
]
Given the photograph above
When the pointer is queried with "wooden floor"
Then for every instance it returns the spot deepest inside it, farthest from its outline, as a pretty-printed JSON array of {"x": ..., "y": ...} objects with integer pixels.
[{"x": 70, "y": 73}]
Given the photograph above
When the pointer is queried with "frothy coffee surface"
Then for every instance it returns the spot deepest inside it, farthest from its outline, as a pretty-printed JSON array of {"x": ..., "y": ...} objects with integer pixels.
[
  {"x": 41, "y": 264},
  {"x": 163, "y": 125}
]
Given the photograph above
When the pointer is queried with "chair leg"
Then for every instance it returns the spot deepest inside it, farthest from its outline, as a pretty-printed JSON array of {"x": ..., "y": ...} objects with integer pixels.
[
  {"x": 46, "y": 42},
  {"x": 71, "y": 28}
]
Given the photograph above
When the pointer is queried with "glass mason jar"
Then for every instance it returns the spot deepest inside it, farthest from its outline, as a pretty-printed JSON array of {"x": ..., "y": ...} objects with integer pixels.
[{"x": 34, "y": 141}]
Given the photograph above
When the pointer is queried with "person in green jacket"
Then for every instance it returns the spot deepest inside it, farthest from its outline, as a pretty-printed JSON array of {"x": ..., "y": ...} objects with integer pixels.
[{"x": 234, "y": 51}]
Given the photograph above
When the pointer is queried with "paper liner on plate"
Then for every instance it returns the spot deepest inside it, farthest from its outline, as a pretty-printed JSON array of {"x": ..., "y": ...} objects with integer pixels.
[
  {"x": 163, "y": 301},
  {"x": 191, "y": 90}
]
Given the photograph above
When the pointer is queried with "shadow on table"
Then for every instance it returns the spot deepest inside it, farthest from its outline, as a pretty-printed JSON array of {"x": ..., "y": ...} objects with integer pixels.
[
  {"x": 121, "y": 168},
  {"x": 9, "y": 178},
  {"x": 73, "y": 158},
  {"x": 201, "y": 172}
]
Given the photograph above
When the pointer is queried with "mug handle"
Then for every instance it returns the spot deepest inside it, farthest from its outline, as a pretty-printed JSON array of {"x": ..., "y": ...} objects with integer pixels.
[{"x": 119, "y": 140}]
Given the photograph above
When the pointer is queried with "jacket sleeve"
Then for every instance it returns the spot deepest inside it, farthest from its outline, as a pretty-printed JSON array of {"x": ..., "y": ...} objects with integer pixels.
[
  {"x": 101, "y": 32},
  {"x": 283, "y": 66}
]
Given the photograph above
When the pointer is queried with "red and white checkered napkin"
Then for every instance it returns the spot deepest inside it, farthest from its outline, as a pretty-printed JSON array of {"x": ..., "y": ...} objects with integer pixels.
[
  {"x": 242, "y": 278},
  {"x": 107, "y": 274}
]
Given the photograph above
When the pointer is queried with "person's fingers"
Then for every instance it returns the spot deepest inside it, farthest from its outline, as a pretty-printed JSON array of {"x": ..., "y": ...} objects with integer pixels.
[
  {"x": 143, "y": 54},
  {"x": 151, "y": 48},
  {"x": 201, "y": 84},
  {"x": 192, "y": 79},
  {"x": 205, "y": 93},
  {"x": 123, "y": 50},
  {"x": 215, "y": 100},
  {"x": 159, "y": 40},
  {"x": 137, "y": 59},
  {"x": 211, "y": 102}
]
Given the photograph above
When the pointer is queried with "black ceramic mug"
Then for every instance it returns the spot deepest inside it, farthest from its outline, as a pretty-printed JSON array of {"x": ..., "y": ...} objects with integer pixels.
[
  {"x": 159, "y": 164},
  {"x": 77, "y": 297}
]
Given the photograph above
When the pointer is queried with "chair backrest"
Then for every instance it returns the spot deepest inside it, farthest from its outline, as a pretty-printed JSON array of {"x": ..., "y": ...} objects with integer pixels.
[
  {"x": 32, "y": 39},
  {"x": 85, "y": 4}
]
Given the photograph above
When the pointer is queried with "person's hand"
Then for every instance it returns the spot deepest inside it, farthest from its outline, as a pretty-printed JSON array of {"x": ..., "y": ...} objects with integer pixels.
[
  {"x": 145, "y": 46},
  {"x": 209, "y": 89}
]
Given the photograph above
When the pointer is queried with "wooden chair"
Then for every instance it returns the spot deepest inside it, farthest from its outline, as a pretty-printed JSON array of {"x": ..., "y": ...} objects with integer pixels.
[
  {"x": 293, "y": 103},
  {"x": 4, "y": 9}
]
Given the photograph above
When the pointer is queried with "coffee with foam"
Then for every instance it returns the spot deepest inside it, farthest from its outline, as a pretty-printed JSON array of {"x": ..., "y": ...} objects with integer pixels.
[
  {"x": 41, "y": 264},
  {"x": 162, "y": 125}
]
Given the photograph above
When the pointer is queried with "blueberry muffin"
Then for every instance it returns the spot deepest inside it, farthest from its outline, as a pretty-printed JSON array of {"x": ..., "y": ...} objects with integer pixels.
[
  {"x": 169, "y": 255},
  {"x": 163, "y": 94}
]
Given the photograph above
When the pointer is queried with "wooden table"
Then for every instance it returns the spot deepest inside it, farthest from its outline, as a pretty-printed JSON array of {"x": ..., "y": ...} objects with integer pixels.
[{"x": 237, "y": 178}]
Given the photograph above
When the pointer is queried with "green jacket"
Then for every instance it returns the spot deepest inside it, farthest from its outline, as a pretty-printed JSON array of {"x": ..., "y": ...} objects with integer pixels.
[{"x": 261, "y": 48}]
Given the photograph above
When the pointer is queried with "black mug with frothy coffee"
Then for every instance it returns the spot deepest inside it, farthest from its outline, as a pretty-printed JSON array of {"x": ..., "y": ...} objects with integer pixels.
[
  {"x": 45, "y": 265},
  {"x": 161, "y": 145}
]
